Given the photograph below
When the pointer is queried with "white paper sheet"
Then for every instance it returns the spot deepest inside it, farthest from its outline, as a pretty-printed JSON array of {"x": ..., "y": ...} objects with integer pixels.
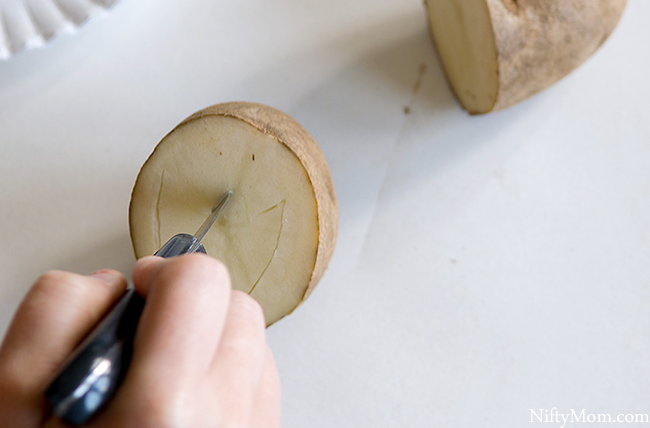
[{"x": 485, "y": 266}]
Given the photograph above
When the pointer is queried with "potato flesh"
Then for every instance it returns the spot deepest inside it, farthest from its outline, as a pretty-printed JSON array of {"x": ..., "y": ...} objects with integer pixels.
[
  {"x": 267, "y": 235},
  {"x": 463, "y": 34}
]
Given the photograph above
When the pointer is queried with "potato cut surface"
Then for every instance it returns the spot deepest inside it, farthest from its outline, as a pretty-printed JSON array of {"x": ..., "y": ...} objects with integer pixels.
[
  {"x": 268, "y": 235},
  {"x": 463, "y": 35}
]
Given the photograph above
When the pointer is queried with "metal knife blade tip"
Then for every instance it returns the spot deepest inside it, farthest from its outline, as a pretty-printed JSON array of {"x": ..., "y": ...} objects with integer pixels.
[{"x": 214, "y": 214}]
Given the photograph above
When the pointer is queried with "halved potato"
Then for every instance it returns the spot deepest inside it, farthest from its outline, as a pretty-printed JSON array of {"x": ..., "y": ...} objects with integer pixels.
[
  {"x": 499, "y": 52},
  {"x": 278, "y": 232}
]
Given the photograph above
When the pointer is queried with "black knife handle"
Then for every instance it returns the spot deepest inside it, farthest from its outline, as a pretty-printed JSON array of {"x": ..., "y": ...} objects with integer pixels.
[{"x": 96, "y": 368}]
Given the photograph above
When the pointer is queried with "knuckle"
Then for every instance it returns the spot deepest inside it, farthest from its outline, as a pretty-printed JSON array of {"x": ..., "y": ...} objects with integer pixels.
[
  {"x": 55, "y": 282},
  {"x": 52, "y": 278},
  {"x": 248, "y": 346},
  {"x": 251, "y": 307}
]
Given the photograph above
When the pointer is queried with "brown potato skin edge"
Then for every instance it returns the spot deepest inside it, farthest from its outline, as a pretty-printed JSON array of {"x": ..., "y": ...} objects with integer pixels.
[
  {"x": 289, "y": 132},
  {"x": 541, "y": 41}
]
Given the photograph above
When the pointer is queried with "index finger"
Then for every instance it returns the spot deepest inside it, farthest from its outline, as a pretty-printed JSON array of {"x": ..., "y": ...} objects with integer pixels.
[{"x": 186, "y": 302}]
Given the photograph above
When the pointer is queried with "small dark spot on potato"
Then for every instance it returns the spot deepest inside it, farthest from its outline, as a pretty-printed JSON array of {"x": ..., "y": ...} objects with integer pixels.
[
  {"x": 253, "y": 157},
  {"x": 470, "y": 94},
  {"x": 407, "y": 109},
  {"x": 514, "y": 6},
  {"x": 220, "y": 153}
]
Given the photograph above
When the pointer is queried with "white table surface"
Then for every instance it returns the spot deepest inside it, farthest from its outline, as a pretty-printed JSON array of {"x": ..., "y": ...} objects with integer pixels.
[{"x": 485, "y": 266}]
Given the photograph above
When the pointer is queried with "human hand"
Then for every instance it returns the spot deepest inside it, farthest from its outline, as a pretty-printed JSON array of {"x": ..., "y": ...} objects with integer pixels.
[{"x": 200, "y": 357}]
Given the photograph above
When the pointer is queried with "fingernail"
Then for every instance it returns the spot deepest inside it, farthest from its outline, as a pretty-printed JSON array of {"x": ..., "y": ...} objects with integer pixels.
[{"x": 109, "y": 277}]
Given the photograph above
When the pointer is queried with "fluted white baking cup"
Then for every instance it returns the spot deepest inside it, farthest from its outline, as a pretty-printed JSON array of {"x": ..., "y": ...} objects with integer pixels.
[{"x": 26, "y": 24}]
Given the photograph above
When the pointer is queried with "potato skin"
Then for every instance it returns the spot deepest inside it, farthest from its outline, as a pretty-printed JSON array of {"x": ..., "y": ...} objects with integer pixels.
[{"x": 541, "y": 41}]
